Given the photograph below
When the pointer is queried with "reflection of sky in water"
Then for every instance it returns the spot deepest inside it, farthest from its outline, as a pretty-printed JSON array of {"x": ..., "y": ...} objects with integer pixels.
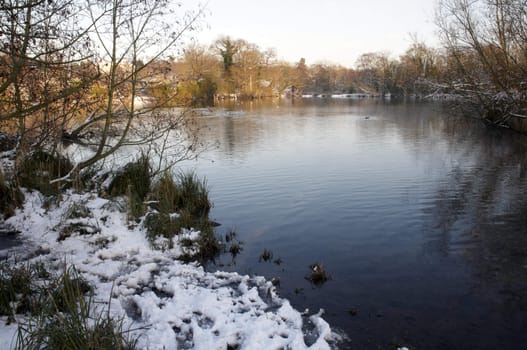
[{"x": 396, "y": 200}]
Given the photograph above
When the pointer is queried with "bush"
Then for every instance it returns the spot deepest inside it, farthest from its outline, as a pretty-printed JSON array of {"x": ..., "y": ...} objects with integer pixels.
[
  {"x": 167, "y": 194},
  {"x": 74, "y": 332},
  {"x": 134, "y": 181},
  {"x": 189, "y": 194},
  {"x": 163, "y": 93},
  {"x": 66, "y": 291},
  {"x": 67, "y": 319},
  {"x": 39, "y": 168},
  {"x": 59, "y": 314},
  {"x": 161, "y": 224},
  {"x": 89, "y": 179},
  {"x": 193, "y": 195},
  {"x": 16, "y": 286},
  {"x": 197, "y": 93},
  {"x": 188, "y": 197},
  {"x": 22, "y": 291}
]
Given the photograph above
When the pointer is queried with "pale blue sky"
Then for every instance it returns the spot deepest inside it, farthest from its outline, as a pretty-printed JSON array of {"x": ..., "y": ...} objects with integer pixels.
[{"x": 335, "y": 31}]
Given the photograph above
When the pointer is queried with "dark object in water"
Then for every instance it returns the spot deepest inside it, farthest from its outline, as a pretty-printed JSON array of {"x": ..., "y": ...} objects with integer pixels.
[{"x": 318, "y": 275}]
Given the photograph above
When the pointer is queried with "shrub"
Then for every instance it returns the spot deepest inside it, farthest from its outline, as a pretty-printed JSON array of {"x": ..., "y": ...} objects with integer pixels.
[
  {"x": 36, "y": 170},
  {"x": 187, "y": 193},
  {"x": 74, "y": 332},
  {"x": 161, "y": 224},
  {"x": 206, "y": 248},
  {"x": 198, "y": 93},
  {"x": 188, "y": 197},
  {"x": 81, "y": 228},
  {"x": 68, "y": 319},
  {"x": 22, "y": 291},
  {"x": 167, "y": 194},
  {"x": 77, "y": 211},
  {"x": 66, "y": 291},
  {"x": 88, "y": 179},
  {"x": 16, "y": 285},
  {"x": 134, "y": 181},
  {"x": 194, "y": 195},
  {"x": 163, "y": 93}
]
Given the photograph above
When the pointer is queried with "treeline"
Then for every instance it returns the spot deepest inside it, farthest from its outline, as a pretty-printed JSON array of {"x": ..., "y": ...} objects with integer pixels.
[
  {"x": 235, "y": 68},
  {"x": 481, "y": 66}
]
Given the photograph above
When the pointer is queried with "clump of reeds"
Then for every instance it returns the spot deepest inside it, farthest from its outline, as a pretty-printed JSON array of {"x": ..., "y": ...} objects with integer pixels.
[
  {"x": 318, "y": 274},
  {"x": 182, "y": 202},
  {"x": 134, "y": 181},
  {"x": 37, "y": 169},
  {"x": 60, "y": 311},
  {"x": 266, "y": 255}
]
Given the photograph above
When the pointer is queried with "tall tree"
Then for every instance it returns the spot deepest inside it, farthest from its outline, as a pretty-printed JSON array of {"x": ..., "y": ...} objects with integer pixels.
[
  {"x": 200, "y": 70},
  {"x": 249, "y": 61},
  {"x": 377, "y": 72},
  {"x": 227, "y": 48},
  {"x": 130, "y": 36}
]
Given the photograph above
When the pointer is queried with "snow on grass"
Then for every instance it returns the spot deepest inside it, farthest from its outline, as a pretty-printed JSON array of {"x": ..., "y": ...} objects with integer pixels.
[{"x": 164, "y": 302}]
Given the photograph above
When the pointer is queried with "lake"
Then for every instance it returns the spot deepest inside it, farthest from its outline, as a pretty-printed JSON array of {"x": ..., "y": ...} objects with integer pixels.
[{"x": 419, "y": 218}]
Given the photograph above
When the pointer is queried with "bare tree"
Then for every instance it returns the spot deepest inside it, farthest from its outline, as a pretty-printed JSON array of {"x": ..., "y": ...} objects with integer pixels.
[
  {"x": 377, "y": 72},
  {"x": 420, "y": 67},
  {"x": 130, "y": 36},
  {"x": 71, "y": 71},
  {"x": 486, "y": 48},
  {"x": 41, "y": 49}
]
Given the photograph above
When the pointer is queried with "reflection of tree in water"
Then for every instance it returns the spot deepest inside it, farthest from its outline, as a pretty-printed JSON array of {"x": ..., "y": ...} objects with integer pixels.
[
  {"x": 231, "y": 130},
  {"x": 480, "y": 210}
]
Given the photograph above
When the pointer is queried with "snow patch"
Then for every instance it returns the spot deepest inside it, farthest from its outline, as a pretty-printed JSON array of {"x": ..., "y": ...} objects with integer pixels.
[{"x": 167, "y": 304}]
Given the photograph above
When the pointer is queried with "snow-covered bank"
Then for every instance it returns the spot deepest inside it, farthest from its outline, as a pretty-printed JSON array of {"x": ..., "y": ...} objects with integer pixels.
[{"x": 168, "y": 304}]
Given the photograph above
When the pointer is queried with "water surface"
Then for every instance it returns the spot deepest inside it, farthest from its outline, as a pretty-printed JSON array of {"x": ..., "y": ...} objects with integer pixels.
[{"x": 420, "y": 219}]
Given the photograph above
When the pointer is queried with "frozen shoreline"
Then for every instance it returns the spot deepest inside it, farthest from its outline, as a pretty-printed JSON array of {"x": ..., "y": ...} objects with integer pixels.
[{"x": 167, "y": 304}]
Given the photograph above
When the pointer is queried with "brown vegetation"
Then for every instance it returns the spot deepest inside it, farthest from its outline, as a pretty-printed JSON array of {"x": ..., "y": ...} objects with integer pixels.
[{"x": 75, "y": 72}]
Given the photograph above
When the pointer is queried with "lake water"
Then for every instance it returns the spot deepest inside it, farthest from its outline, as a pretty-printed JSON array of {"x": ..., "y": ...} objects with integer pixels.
[{"x": 419, "y": 218}]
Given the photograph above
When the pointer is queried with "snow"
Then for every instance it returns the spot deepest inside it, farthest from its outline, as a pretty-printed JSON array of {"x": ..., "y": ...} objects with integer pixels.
[{"x": 164, "y": 302}]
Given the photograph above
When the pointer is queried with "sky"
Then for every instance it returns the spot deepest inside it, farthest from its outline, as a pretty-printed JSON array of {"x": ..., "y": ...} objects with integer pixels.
[{"x": 329, "y": 31}]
